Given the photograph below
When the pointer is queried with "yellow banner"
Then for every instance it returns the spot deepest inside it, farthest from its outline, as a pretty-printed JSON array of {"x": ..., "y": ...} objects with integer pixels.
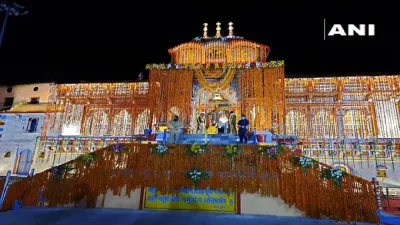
[{"x": 191, "y": 199}]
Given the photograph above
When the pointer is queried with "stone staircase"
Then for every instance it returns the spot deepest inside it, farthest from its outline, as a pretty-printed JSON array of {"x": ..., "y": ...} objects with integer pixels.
[{"x": 66, "y": 215}]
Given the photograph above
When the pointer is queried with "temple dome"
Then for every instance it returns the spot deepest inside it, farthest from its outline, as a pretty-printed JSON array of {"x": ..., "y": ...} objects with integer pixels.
[{"x": 219, "y": 49}]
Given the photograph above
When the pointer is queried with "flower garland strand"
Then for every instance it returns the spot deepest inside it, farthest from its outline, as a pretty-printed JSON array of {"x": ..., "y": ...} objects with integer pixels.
[
  {"x": 303, "y": 162},
  {"x": 271, "y": 64},
  {"x": 333, "y": 174},
  {"x": 159, "y": 150},
  {"x": 222, "y": 85},
  {"x": 196, "y": 175},
  {"x": 195, "y": 149}
]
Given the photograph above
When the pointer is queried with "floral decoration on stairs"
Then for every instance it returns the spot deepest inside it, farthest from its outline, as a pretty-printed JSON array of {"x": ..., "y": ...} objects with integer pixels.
[
  {"x": 60, "y": 172},
  {"x": 195, "y": 149},
  {"x": 303, "y": 162},
  {"x": 270, "y": 151},
  {"x": 232, "y": 150},
  {"x": 196, "y": 175},
  {"x": 160, "y": 150},
  {"x": 87, "y": 158},
  {"x": 218, "y": 168},
  {"x": 333, "y": 174},
  {"x": 118, "y": 148}
]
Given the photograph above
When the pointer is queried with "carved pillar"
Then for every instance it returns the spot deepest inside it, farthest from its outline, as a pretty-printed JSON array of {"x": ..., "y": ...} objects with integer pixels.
[
  {"x": 371, "y": 108},
  {"x": 339, "y": 118},
  {"x": 309, "y": 117}
]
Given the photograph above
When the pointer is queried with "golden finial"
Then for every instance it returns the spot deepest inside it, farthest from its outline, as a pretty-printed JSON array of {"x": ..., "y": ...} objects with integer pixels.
[
  {"x": 205, "y": 30},
  {"x": 218, "y": 29},
  {"x": 230, "y": 28}
]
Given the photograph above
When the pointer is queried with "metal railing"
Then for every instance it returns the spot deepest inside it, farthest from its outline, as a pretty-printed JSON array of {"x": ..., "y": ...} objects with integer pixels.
[{"x": 389, "y": 195}]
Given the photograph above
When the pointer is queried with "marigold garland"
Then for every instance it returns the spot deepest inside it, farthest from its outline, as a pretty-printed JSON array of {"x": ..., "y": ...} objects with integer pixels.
[
  {"x": 222, "y": 85},
  {"x": 248, "y": 173},
  {"x": 271, "y": 64}
]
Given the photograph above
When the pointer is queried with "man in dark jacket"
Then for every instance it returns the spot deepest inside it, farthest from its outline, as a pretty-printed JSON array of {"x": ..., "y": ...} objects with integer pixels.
[{"x": 243, "y": 125}]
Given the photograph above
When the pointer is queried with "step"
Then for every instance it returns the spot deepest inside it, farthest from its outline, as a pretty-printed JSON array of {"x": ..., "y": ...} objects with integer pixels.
[
  {"x": 208, "y": 135},
  {"x": 65, "y": 215}
]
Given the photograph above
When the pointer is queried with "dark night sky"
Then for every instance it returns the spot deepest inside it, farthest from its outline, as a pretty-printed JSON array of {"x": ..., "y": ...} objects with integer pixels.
[{"x": 67, "y": 42}]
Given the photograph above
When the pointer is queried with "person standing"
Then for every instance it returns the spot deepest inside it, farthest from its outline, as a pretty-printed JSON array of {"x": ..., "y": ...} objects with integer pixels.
[
  {"x": 224, "y": 123},
  {"x": 201, "y": 123},
  {"x": 232, "y": 123},
  {"x": 243, "y": 125},
  {"x": 175, "y": 126}
]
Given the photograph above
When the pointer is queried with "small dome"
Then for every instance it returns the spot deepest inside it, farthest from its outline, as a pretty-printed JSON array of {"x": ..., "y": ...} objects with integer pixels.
[{"x": 219, "y": 49}]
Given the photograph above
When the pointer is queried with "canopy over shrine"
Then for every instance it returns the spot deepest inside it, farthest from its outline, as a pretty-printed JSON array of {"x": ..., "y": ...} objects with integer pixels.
[{"x": 229, "y": 66}]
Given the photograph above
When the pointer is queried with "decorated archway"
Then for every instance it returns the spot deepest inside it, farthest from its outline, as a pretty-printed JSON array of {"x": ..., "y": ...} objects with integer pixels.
[{"x": 203, "y": 102}]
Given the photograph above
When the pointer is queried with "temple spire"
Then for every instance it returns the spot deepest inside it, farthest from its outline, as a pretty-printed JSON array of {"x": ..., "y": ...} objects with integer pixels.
[
  {"x": 218, "y": 30},
  {"x": 230, "y": 29},
  {"x": 205, "y": 30}
]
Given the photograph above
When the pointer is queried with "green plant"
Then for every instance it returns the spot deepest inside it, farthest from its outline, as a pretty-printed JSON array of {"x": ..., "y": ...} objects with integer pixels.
[
  {"x": 303, "y": 162},
  {"x": 60, "y": 171},
  {"x": 41, "y": 155},
  {"x": 87, "y": 158},
  {"x": 196, "y": 175},
  {"x": 333, "y": 174},
  {"x": 7, "y": 155}
]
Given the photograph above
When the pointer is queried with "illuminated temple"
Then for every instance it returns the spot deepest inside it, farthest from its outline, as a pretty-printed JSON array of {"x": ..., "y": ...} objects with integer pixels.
[{"x": 338, "y": 120}]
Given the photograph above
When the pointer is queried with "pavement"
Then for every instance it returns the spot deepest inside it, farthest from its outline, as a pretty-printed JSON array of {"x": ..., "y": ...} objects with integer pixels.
[{"x": 101, "y": 216}]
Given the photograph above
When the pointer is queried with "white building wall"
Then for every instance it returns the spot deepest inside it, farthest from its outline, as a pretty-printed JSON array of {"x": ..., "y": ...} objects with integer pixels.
[
  {"x": 368, "y": 170},
  {"x": 24, "y": 93},
  {"x": 16, "y": 137}
]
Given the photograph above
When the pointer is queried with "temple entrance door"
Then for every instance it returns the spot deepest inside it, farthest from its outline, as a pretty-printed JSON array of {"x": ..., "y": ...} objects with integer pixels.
[
  {"x": 218, "y": 116},
  {"x": 216, "y": 106}
]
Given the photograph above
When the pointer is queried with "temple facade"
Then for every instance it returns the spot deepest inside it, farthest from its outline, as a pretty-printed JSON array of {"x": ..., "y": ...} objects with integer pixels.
[{"x": 352, "y": 122}]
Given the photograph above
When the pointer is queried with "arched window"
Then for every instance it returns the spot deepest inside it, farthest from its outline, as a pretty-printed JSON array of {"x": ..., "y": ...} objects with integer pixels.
[{"x": 32, "y": 125}]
